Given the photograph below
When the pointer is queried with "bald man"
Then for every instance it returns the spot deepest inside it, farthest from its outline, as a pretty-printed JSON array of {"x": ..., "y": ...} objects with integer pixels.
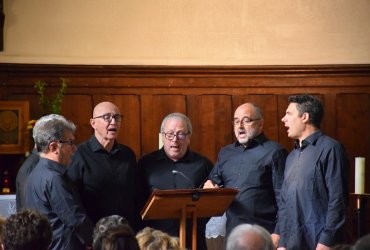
[
  {"x": 105, "y": 170},
  {"x": 254, "y": 165}
]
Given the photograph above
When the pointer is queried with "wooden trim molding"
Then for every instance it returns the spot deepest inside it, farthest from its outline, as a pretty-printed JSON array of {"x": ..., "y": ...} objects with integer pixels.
[{"x": 173, "y": 76}]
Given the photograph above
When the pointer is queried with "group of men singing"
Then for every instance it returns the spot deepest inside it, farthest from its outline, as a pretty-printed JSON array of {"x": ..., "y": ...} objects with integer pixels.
[{"x": 300, "y": 198}]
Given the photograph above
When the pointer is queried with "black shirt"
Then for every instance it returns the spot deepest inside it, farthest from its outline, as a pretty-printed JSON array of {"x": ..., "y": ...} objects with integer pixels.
[
  {"x": 106, "y": 180},
  {"x": 156, "y": 173},
  {"x": 257, "y": 171},
  {"x": 50, "y": 192}
]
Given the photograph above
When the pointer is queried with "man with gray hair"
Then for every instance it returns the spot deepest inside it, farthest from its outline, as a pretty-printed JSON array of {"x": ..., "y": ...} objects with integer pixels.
[
  {"x": 27, "y": 166},
  {"x": 49, "y": 191},
  {"x": 249, "y": 237},
  {"x": 174, "y": 166}
]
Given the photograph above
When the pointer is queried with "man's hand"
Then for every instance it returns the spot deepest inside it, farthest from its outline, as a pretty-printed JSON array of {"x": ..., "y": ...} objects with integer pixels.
[
  {"x": 281, "y": 248},
  {"x": 322, "y": 247},
  {"x": 275, "y": 240},
  {"x": 209, "y": 184}
]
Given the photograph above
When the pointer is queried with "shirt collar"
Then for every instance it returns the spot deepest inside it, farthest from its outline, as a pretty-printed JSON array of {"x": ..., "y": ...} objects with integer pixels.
[
  {"x": 96, "y": 146},
  {"x": 311, "y": 139},
  {"x": 258, "y": 140},
  {"x": 53, "y": 165}
]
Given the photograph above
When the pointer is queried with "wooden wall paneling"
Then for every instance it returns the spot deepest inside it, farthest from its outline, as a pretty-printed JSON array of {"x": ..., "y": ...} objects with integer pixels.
[
  {"x": 352, "y": 129},
  {"x": 129, "y": 106},
  {"x": 284, "y": 140},
  {"x": 329, "y": 125},
  {"x": 353, "y": 126},
  {"x": 153, "y": 109},
  {"x": 211, "y": 120},
  {"x": 268, "y": 104},
  {"x": 78, "y": 109}
]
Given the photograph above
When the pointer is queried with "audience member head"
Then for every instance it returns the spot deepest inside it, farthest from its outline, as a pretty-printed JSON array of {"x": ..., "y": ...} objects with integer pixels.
[
  {"x": 152, "y": 239},
  {"x": 176, "y": 132},
  {"x": 107, "y": 222},
  {"x": 27, "y": 230},
  {"x": 54, "y": 138},
  {"x": 114, "y": 233},
  {"x": 248, "y": 122},
  {"x": 249, "y": 237},
  {"x": 363, "y": 243},
  {"x": 341, "y": 247},
  {"x": 106, "y": 122}
]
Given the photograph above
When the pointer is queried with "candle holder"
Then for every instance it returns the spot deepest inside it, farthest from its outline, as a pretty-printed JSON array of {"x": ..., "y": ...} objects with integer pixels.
[{"x": 361, "y": 201}]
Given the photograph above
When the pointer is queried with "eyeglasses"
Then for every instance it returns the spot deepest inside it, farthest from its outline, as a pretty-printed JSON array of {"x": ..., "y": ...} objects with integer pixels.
[
  {"x": 244, "y": 121},
  {"x": 69, "y": 142},
  {"x": 108, "y": 117},
  {"x": 179, "y": 136}
]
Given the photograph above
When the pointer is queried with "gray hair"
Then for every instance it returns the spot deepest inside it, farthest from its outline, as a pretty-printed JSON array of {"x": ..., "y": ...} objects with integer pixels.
[
  {"x": 238, "y": 241},
  {"x": 180, "y": 117},
  {"x": 50, "y": 128},
  {"x": 107, "y": 222}
]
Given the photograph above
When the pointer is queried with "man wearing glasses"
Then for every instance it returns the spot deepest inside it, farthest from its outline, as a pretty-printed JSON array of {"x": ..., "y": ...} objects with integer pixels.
[
  {"x": 50, "y": 192},
  {"x": 255, "y": 166},
  {"x": 174, "y": 166},
  {"x": 105, "y": 170}
]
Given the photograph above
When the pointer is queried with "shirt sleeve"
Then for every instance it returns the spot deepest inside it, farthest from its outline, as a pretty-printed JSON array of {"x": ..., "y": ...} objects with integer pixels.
[
  {"x": 336, "y": 172},
  {"x": 280, "y": 226},
  {"x": 277, "y": 180},
  {"x": 215, "y": 174},
  {"x": 75, "y": 170},
  {"x": 65, "y": 203}
]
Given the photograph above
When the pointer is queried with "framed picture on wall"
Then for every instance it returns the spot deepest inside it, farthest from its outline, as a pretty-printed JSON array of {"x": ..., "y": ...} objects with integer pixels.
[{"x": 14, "y": 137}]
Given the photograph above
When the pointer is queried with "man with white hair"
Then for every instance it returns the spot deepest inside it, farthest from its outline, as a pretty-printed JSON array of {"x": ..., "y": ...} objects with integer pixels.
[{"x": 249, "y": 237}]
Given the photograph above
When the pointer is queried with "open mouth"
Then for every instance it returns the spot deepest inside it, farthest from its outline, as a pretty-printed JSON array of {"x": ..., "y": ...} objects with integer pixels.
[
  {"x": 112, "y": 129},
  {"x": 242, "y": 132}
]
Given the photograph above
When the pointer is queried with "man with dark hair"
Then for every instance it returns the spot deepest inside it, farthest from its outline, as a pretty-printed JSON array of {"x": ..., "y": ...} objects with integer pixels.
[
  {"x": 27, "y": 230},
  {"x": 314, "y": 192}
]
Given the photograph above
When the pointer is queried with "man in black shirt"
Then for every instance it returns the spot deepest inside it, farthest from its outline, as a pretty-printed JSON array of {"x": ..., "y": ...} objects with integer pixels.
[
  {"x": 174, "y": 166},
  {"x": 105, "y": 170},
  {"x": 255, "y": 166}
]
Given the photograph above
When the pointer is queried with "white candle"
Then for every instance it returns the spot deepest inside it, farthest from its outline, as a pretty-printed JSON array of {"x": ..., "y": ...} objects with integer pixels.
[
  {"x": 160, "y": 142},
  {"x": 360, "y": 175}
]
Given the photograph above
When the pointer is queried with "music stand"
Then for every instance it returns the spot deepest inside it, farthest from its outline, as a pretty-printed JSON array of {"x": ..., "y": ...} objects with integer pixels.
[{"x": 187, "y": 203}]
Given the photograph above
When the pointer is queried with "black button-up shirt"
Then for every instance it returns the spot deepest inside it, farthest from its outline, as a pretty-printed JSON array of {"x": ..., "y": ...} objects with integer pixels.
[
  {"x": 257, "y": 171},
  {"x": 49, "y": 191},
  {"x": 314, "y": 193},
  {"x": 106, "y": 180},
  {"x": 156, "y": 173}
]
